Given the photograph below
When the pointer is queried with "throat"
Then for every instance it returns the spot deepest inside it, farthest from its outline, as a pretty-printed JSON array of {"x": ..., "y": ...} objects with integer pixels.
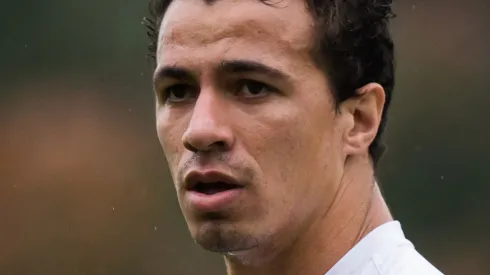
[
  {"x": 317, "y": 248},
  {"x": 305, "y": 254}
]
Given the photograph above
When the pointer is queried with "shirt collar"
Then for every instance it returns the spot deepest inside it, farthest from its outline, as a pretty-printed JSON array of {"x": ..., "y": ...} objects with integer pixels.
[{"x": 380, "y": 239}]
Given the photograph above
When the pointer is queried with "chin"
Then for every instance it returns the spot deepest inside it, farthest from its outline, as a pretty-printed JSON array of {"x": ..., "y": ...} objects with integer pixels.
[
  {"x": 222, "y": 237},
  {"x": 237, "y": 245}
]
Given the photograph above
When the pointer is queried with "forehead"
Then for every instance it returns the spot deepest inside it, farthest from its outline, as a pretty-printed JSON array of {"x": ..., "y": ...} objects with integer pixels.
[{"x": 285, "y": 26}]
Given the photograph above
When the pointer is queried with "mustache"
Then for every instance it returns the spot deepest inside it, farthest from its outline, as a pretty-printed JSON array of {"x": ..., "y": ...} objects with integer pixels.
[
  {"x": 200, "y": 159},
  {"x": 220, "y": 161}
]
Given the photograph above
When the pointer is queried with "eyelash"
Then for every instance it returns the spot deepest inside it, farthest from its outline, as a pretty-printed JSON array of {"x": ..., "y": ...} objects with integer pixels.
[
  {"x": 165, "y": 93},
  {"x": 244, "y": 82},
  {"x": 237, "y": 86}
]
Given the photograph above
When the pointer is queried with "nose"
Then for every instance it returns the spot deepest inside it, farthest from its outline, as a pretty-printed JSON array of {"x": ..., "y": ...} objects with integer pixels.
[{"x": 208, "y": 128}]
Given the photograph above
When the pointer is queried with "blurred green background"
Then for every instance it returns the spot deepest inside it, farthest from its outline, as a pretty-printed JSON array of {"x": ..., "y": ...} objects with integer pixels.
[{"x": 84, "y": 188}]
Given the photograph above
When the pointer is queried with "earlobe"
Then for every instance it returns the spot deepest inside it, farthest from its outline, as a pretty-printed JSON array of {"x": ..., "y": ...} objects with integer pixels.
[{"x": 365, "y": 110}]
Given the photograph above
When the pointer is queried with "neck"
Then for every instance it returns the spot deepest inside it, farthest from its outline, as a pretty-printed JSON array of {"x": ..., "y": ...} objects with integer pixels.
[{"x": 357, "y": 209}]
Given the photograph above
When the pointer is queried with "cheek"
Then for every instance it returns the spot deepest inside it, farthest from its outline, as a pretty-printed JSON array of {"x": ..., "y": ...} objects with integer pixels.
[
  {"x": 287, "y": 162},
  {"x": 170, "y": 136},
  {"x": 281, "y": 145},
  {"x": 295, "y": 151}
]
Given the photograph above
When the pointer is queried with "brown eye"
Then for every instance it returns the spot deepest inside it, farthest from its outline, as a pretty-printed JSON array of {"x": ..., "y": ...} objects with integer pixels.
[
  {"x": 251, "y": 88},
  {"x": 179, "y": 93}
]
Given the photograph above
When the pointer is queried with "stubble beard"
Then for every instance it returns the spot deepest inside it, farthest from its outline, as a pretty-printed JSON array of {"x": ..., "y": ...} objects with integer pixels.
[
  {"x": 237, "y": 246},
  {"x": 224, "y": 238}
]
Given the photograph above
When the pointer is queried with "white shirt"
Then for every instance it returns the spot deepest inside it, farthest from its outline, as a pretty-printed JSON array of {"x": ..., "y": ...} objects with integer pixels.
[{"x": 384, "y": 251}]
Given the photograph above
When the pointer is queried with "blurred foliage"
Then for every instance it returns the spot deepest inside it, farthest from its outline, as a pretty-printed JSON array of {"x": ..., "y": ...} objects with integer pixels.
[{"x": 84, "y": 188}]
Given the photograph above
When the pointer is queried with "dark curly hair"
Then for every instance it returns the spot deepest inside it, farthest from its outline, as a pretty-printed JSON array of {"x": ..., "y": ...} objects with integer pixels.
[{"x": 352, "y": 46}]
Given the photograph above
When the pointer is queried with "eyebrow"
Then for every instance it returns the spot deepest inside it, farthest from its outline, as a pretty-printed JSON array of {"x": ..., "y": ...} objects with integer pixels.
[
  {"x": 247, "y": 66},
  {"x": 227, "y": 66},
  {"x": 175, "y": 72}
]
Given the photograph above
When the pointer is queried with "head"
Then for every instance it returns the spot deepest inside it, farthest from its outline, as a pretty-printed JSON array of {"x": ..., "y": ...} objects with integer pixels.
[{"x": 277, "y": 99}]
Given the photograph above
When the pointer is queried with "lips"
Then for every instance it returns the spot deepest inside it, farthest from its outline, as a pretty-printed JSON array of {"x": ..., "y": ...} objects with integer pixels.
[
  {"x": 210, "y": 188},
  {"x": 210, "y": 182},
  {"x": 211, "y": 191}
]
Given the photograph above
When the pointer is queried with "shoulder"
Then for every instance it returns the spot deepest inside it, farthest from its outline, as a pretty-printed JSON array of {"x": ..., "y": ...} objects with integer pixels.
[
  {"x": 403, "y": 259},
  {"x": 384, "y": 251}
]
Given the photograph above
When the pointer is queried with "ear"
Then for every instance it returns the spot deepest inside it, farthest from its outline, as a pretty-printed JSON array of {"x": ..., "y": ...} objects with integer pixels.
[{"x": 363, "y": 114}]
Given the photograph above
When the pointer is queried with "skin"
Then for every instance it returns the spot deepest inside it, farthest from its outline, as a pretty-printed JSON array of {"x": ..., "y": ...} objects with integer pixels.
[{"x": 309, "y": 192}]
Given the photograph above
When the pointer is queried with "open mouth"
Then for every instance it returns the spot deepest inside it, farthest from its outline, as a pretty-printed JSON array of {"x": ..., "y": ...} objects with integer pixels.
[{"x": 210, "y": 188}]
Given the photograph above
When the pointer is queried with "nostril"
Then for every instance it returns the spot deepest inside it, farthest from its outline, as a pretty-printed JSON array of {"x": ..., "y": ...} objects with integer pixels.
[
  {"x": 217, "y": 145},
  {"x": 202, "y": 138},
  {"x": 220, "y": 144},
  {"x": 190, "y": 147}
]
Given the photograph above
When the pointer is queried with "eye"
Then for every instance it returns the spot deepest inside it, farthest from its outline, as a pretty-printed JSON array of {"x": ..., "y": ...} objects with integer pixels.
[
  {"x": 252, "y": 88},
  {"x": 179, "y": 93}
]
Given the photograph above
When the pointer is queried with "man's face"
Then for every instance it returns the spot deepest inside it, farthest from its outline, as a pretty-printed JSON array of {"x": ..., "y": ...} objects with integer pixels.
[{"x": 246, "y": 121}]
